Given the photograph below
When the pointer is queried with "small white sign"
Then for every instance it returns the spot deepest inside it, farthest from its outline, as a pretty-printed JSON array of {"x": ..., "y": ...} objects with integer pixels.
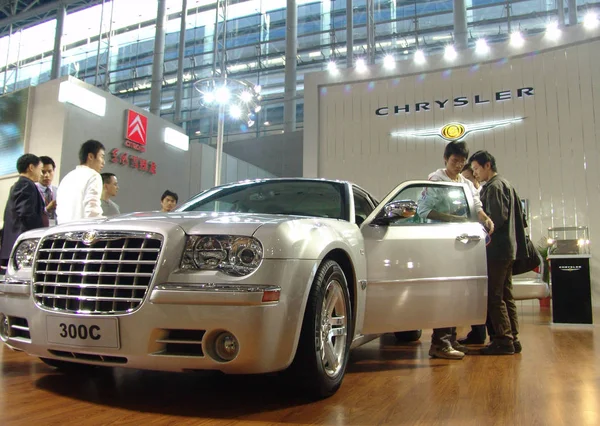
[{"x": 83, "y": 332}]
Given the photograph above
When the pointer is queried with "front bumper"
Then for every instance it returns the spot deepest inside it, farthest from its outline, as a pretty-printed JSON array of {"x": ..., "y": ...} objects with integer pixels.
[{"x": 267, "y": 332}]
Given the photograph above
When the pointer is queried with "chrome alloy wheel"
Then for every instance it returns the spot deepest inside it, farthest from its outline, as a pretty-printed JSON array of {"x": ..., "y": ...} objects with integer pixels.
[{"x": 334, "y": 326}]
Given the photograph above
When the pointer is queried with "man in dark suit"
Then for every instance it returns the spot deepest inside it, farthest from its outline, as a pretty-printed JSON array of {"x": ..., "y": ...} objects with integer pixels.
[{"x": 25, "y": 207}]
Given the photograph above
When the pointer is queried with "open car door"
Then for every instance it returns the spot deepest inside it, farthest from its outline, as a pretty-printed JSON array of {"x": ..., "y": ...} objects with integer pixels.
[{"x": 424, "y": 273}]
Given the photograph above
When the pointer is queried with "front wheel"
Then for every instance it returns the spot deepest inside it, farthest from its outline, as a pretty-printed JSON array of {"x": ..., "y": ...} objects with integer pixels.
[{"x": 322, "y": 354}]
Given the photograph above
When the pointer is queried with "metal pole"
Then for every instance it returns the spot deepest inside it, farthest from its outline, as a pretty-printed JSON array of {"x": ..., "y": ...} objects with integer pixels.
[
  {"x": 291, "y": 52},
  {"x": 180, "y": 57},
  {"x": 349, "y": 34},
  {"x": 371, "y": 31},
  {"x": 99, "y": 44},
  {"x": 108, "y": 47},
  {"x": 159, "y": 58},
  {"x": 61, "y": 13},
  {"x": 10, "y": 36},
  {"x": 572, "y": 12},
  {"x": 219, "y": 150},
  {"x": 560, "y": 5},
  {"x": 461, "y": 40},
  {"x": 508, "y": 23}
]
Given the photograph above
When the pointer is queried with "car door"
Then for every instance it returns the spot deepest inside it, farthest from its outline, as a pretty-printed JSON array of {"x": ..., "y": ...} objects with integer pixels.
[{"x": 423, "y": 273}]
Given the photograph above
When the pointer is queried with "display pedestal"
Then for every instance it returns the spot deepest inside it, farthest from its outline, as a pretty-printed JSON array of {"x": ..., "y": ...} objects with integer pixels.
[{"x": 571, "y": 289}]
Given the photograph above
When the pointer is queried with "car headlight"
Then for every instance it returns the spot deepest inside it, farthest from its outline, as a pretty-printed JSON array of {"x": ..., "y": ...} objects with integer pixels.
[
  {"x": 24, "y": 253},
  {"x": 229, "y": 254}
]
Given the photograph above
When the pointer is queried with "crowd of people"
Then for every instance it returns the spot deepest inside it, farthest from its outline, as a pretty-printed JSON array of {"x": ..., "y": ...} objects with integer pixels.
[{"x": 34, "y": 202}]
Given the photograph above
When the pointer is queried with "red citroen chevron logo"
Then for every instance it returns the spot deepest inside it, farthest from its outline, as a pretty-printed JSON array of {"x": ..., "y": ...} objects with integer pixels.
[{"x": 137, "y": 125}]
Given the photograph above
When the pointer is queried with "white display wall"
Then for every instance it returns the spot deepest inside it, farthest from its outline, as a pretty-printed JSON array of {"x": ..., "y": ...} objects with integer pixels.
[{"x": 552, "y": 155}]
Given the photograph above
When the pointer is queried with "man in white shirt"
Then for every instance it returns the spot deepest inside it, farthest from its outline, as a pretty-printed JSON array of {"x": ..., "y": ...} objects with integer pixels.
[{"x": 79, "y": 192}]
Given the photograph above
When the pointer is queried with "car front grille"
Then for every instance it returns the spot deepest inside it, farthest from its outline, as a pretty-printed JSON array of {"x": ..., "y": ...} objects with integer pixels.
[{"x": 95, "y": 272}]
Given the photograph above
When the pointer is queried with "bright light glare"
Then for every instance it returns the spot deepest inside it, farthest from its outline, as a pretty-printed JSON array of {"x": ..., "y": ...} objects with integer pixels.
[
  {"x": 246, "y": 96},
  {"x": 516, "y": 39},
  {"x": 257, "y": 109},
  {"x": 250, "y": 123},
  {"x": 389, "y": 62},
  {"x": 257, "y": 89},
  {"x": 235, "y": 111},
  {"x": 450, "y": 53},
  {"x": 361, "y": 65},
  {"x": 590, "y": 20},
  {"x": 420, "y": 57},
  {"x": 222, "y": 95},
  {"x": 552, "y": 31},
  {"x": 332, "y": 67},
  {"x": 209, "y": 97},
  {"x": 481, "y": 46}
]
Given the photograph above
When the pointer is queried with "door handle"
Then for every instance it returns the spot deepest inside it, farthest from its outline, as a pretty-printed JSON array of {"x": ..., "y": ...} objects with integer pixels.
[{"x": 466, "y": 239}]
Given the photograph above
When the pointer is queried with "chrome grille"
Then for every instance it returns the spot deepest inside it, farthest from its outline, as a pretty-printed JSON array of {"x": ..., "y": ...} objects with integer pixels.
[{"x": 95, "y": 272}]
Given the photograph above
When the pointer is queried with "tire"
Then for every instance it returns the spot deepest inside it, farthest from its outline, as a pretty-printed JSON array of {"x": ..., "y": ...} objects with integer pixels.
[
  {"x": 67, "y": 366},
  {"x": 324, "y": 346},
  {"x": 408, "y": 336}
]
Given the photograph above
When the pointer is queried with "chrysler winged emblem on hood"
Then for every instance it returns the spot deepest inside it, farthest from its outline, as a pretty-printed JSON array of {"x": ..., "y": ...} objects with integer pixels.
[
  {"x": 88, "y": 238},
  {"x": 456, "y": 131}
]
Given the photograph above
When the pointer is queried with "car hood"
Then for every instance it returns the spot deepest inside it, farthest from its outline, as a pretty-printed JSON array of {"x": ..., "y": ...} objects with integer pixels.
[{"x": 189, "y": 222}]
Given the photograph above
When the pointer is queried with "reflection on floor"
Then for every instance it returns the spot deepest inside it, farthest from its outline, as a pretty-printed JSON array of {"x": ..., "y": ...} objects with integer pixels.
[{"x": 555, "y": 381}]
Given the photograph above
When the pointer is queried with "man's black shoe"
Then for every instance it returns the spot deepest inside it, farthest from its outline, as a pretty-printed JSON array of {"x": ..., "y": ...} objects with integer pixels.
[
  {"x": 517, "y": 345},
  {"x": 497, "y": 348},
  {"x": 470, "y": 340}
]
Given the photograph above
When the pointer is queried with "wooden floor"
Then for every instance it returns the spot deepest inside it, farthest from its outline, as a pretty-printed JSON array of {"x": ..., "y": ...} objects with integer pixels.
[{"x": 555, "y": 381}]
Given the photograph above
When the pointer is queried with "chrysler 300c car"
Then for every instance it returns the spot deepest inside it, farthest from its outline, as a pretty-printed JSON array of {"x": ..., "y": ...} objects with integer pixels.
[{"x": 253, "y": 277}]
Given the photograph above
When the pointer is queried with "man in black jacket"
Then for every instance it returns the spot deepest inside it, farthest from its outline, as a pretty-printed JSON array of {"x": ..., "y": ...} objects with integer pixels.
[
  {"x": 25, "y": 207},
  {"x": 501, "y": 203}
]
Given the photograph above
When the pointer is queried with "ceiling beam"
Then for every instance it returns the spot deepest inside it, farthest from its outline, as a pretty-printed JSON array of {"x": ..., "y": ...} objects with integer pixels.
[{"x": 41, "y": 10}]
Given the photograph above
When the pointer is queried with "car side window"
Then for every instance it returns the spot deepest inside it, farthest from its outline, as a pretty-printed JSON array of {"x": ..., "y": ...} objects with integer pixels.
[
  {"x": 362, "y": 207},
  {"x": 435, "y": 204}
]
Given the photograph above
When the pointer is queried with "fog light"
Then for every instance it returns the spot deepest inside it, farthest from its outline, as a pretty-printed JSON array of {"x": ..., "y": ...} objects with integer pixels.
[
  {"x": 226, "y": 346},
  {"x": 4, "y": 327}
]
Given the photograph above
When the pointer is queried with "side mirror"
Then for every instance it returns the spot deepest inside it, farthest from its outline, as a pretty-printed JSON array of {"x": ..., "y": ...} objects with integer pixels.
[{"x": 402, "y": 209}]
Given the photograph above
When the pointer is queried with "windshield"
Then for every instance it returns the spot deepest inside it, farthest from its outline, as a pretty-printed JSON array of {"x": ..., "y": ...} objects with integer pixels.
[{"x": 287, "y": 197}]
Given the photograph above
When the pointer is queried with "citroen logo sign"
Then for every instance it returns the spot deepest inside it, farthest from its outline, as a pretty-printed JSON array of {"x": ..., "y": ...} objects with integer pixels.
[
  {"x": 89, "y": 238},
  {"x": 456, "y": 131}
]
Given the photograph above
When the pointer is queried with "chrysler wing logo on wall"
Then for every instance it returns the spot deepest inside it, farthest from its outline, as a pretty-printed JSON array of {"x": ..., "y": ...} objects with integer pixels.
[
  {"x": 137, "y": 126},
  {"x": 89, "y": 238},
  {"x": 456, "y": 131}
]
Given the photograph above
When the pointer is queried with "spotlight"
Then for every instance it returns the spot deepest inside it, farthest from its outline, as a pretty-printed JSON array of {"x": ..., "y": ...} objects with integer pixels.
[
  {"x": 389, "y": 62},
  {"x": 419, "y": 57},
  {"x": 257, "y": 109},
  {"x": 361, "y": 65},
  {"x": 246, "y": 96},
  {"x": 552, "y": 31},
  {"x": 209, "y": 97},
  {"x": 450, "y": 53},
  {"x": 222, "y": 95},
  {"x": 235, "y": 111},
  {"x": 332, "y": 67},
  {"x": 516, "y": 39},
  {"x": 257, "y": 89},
  {"x": 481, "y": 46},
  {"x": 250, "y": 123},
  {"x": 590, "y": 20}
]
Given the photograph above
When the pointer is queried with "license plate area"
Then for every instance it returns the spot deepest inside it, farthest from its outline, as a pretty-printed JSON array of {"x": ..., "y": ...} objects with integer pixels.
[{"x": 83, "y": 332}]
